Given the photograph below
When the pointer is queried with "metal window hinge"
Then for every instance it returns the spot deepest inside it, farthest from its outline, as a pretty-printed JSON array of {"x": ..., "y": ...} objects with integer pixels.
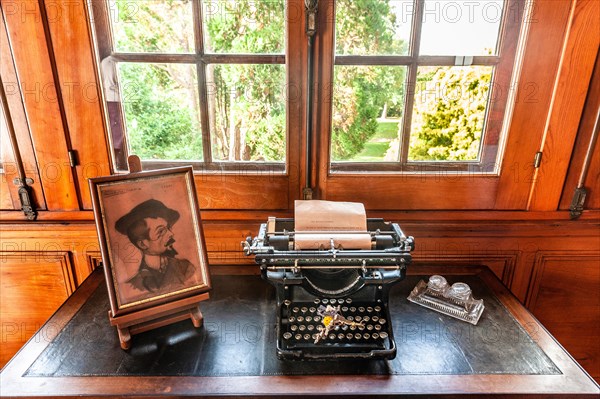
[
  {"x": 73, "y": 161},
  {"x": 537, "y": 160}
]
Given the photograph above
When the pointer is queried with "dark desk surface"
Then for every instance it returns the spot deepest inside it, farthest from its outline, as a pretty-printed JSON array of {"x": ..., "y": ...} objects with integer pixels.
[{"x": 77, "y": 352}]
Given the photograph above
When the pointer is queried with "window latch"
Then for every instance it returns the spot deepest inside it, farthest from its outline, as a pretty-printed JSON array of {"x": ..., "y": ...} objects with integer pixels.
[
  {"x": 25, "y": 197},
  {"x": 537, "y": 159}
]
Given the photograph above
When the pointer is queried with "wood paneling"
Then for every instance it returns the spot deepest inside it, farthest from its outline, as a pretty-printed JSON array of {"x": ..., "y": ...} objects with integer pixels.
[
  {"x": 577, "y": 64},
  {"x": 565, "y": 296},
  {"x": 33, "y": 286},
  {"x": 67, "y": 21},
  {"x": 35, "y": 73}
]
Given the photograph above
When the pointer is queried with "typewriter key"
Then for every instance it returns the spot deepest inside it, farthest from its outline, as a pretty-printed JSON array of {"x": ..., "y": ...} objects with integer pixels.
[
  {"x": 374, "y": 318},
  {"x": 375, "y": 335},
  {"x": 377, "y": 308},
  {"x": 314, "y": 336},
  {"x": 320, "y": 327},
  {"x": 383, "y": 335},
  {"x": 357, "y": 318},
  {"x": 351, "y": 318},
  {"x": 312, "y": 309},
  {"x": 308, "y": 319},
  {"x": 291, "y": 319},
  {"x": 361, "y": 309},
  {"x": 369, "y": 327},
  {"x": 366, "y": 319},
  {"x": 345, "y": 327},
  {"x": 366, "y": 335},
  {"x": 353, "y": 309},
  {"x": 317, "y": 318},
  {"x": 294, "y": 327},
  {"x": 352, "y": 328},
  {"x": 302, "y": 327},
  {"x": 304, "y": 309},
  {"x": 381, "y": 321},
  {"x": 317, "y": 301},
  {"x": 369, "y": 309},
  {"x": 300, "y": 319},
  {"x": 296, "y": 309},
  {"x": 378, "y": 327},
  {"x": 348, "y": 300},
  {"x": 298, "y": 337},
  {"x": 344, "y": 308},
  {"x": 358, "y": 335},
  {"x": 307, "y": 336},
  {"x": 287, "y": 302},
  {"x": 287, "y": 335},
  {"x": 331, "y": 336},
  {"x": 349, "y": 336},
  {"x": 325, "y": 301},
  {"x": 361, "y": 327},
  {"x": 340, "y": 336},
  {"x": 310, "y": 327}
]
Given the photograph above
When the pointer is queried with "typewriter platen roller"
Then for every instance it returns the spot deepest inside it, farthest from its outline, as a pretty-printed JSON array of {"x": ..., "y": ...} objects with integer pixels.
[{"x": 332, "y": 301}]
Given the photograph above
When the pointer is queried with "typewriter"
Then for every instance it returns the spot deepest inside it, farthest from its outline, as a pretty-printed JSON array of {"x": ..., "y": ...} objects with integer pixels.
[{"x": 332, "y": 302}]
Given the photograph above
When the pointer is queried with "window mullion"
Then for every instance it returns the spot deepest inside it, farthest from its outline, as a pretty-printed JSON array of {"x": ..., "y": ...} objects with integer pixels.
[
  {"x": 202, "y": 85},
  {"x": 411, "y": 80}
]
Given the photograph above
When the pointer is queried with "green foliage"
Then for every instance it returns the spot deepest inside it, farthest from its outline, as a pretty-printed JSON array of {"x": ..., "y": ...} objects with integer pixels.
[{"x": 449, "y": 113}]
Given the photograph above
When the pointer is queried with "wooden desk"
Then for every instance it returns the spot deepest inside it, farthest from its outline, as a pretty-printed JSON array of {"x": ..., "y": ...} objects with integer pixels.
[{"x": 508, "y": 352}]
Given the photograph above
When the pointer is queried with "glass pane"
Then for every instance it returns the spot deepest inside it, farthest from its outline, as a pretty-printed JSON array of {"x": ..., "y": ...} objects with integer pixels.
[
  {"x": 247, "y": 111},
  {"x": 461, "y": 27},
  {"x": 162, "y": 117},
  {"x": 449, "y": 113},
  {"x": 373, "y": 27},
  {"x": 368, "y": 103},
  {"x": 152, "y": 26},
  {"x": 244, "y": 26}
]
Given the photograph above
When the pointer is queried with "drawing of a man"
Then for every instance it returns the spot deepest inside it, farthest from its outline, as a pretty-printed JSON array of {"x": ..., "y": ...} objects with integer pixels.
[{"x": 148, "y": 227}]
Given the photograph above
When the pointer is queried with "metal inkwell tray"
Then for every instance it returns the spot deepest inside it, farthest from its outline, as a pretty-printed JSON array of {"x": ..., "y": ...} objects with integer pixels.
[{"x": 456, "y": 300}]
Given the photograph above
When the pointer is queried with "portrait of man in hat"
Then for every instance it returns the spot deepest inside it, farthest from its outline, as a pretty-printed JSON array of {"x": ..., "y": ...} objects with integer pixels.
[{"x": 149, "y": 228}]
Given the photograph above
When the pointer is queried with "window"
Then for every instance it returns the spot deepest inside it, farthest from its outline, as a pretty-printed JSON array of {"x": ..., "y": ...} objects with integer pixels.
[
  {"x": 201, "y": 82},
  {"x": 421, "y": 85}
]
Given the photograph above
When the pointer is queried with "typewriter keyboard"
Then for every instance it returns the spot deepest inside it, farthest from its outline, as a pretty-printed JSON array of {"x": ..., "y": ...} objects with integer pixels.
[{"x": 368, "y": 327}]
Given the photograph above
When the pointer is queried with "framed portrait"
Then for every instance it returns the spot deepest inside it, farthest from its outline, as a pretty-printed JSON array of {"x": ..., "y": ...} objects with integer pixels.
[{"x": 151, "y": 238}]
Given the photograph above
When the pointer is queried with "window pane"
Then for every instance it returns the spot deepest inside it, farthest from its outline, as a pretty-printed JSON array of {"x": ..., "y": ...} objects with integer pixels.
[
  {"x": 244, "y": 26},
  {"x": 152, "y": 26},
  {"x": 160, "y": 103},
  {"x": 373, "y": 27},
  {"x": 247, "y": 111},
  {"x": 460, "y": 27},
  {"x": 449, "y": 113},
  {"x": 368, "y": 103}
]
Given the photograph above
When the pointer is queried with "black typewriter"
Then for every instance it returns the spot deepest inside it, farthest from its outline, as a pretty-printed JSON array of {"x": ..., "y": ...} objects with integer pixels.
[{"x": 332, "y": 303}]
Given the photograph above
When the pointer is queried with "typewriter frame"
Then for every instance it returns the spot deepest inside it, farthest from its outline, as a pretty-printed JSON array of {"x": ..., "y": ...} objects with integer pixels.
[{"x": 299, "y": 275}]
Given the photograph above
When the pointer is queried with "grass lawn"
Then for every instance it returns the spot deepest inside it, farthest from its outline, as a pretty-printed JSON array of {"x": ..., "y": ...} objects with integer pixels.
[{"x": 376, "y": 148}]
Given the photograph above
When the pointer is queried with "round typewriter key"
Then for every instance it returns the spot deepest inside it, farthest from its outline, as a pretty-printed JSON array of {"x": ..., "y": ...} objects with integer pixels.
[
  {"x": 344, "y": 308},
  {"x": 378, "y": 327},
  {"x": 345, "y": 327},
  {"x": 353, "y": 309},
  {"x": 298, "y": 336},
  {"x": 320, "y": 327},
  {"x": 361, "y": 309},
  {"x": 357, "y": 318},
  {"x": 312, "y": 309},
  {"x": 369, "y": 327},
  {"x": 302, "y": 327},
  {"x": 366, "y": 318},
  {"x": 317, "y": 301},
  {"x": 383, "y": 335},
  {"x": 331, "y": 336},
  {"x": 348, "y": 300},
  {"x": 296, "y": 309},
  {"x": 325, "y": 301},
  {"x": 304, "y": 309},
  {"x": 367, "y": 335},
  {"x": 287, "y": 335},
  {"x": 308, "y": 319},
  {"x": 310, "y": 327},
  {"x": 358, "y": 335},
  {"x": 382, "y": 321},
  {"x": 361, "y": 327},
  {"x": 307, "y": 336},
  {"x": 351, "y": 318},
  {"x": 374, "y": 318},
  {"x": 317, "y": 318},
  {"x": 369, "y": 309},
  {"x": 314, "y": 336},
  {"x": 349, "y": 335},
  {"x": 340, "y": 336},
  {"x": 377, "y": 308},
  {"x": 375, "y": 335},
  {"x": 294, "y": 327},
  {"x": 352, "y": 328},
  {"x": 287, "y": 302},
  {"x": 300, "y": 319}
]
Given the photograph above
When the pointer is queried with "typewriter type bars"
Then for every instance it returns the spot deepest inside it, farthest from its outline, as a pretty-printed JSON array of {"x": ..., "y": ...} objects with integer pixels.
[{"x": 315, "y": 286}]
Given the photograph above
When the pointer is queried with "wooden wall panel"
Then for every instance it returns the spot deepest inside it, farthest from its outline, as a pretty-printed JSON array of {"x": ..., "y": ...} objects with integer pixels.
[
  {"x": 565, "y": 296},
  {"x": 33, "y": 286}
]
